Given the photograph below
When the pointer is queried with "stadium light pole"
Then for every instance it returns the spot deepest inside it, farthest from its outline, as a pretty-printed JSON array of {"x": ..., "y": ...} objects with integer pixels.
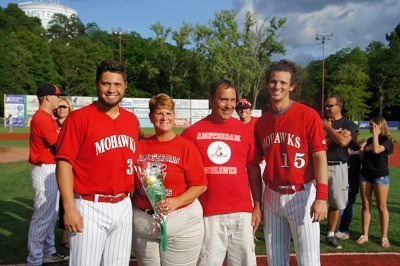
[
  {"x": 323, "y": 38},
  {"x": 119, "y": 32}
]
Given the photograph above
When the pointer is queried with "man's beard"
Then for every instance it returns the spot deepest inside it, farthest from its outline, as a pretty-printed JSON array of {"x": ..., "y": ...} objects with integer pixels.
[{"x": 110, "y": 104}]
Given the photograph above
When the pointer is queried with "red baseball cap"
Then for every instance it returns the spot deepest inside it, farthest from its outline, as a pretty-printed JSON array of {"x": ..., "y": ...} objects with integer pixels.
[
  {"x": 243, "y": 103},
  {"x": 48, "y": 89}
]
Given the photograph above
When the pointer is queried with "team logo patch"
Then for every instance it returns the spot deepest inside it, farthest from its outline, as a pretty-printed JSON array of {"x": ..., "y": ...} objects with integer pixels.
[{"x": 219, "y": 152}]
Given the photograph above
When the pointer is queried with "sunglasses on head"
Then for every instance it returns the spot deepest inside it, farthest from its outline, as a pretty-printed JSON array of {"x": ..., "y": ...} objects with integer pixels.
[{"x": 62, "y": 107}]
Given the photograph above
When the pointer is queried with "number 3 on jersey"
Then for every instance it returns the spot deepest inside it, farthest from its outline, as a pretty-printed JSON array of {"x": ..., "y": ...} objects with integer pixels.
[
  {"x": 299, "y": 160},
  {"x": 129, "y": 171}
]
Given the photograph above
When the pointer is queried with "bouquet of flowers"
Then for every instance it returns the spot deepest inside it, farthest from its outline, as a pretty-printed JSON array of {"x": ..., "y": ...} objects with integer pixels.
[{"x": 152, "y": 176}]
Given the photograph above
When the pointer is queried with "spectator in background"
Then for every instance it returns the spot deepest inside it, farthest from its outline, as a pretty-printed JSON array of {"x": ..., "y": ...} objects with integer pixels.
[
  {"x": 243, "y": 109},
  {"x": 374, "y": 154},
  {"x": 10, "y": 121},
  {"x": 354, "y": 165},
  {"x": 61, "y": 113},
  {"x": 338, "y": 133}
]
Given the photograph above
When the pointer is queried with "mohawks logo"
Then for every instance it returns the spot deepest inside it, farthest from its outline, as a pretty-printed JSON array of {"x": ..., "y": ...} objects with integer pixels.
[
  {"x": 115, "y": 141},
  {"x": 219, "y": 152}
]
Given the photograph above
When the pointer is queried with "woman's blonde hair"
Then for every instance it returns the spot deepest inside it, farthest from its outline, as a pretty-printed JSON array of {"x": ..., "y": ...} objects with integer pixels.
[
  {"x": 379, "y": 120},
  {"x": 161, "y": 100}
]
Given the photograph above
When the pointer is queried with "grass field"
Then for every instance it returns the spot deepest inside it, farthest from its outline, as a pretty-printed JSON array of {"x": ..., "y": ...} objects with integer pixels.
[{"x": 16, "y": 207}]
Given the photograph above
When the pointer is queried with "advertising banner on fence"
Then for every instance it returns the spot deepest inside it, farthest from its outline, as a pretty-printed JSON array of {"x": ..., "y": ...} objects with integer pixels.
[{"x": 15, "y": 106}]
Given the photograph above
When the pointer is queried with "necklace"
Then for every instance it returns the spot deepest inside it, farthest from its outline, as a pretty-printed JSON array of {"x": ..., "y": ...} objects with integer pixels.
[{"x": 278, "y": 113}]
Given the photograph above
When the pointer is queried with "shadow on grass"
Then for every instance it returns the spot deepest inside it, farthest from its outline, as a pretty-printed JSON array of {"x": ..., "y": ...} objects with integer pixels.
[{"x": 14, "y": 225}]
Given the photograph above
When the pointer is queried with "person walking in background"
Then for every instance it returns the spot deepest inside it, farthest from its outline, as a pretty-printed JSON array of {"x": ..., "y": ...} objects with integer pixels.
[
  {"x": 61, "y": 113},
  {"x": 231, "y": 218},
  {"x": 184, "y": 181},
  {"x": 42, "y": 145},
  {"x": 10, "y": 122},
  {"x": 339, "y": 132},
  {"x": 374, "y": 154},
  {"x": 243, "y": 109},
  {"x": 95, "y": 157},
  {"x": 291, "y": 139},
  {"x": 354, "y": 166}
]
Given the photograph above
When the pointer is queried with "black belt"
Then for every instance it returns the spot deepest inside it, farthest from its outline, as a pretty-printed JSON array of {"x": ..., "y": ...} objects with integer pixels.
[
  {"x": 336, "y": 162},
  {"x": 147, "y": 211},
  {"x": 286, "y": 189}
]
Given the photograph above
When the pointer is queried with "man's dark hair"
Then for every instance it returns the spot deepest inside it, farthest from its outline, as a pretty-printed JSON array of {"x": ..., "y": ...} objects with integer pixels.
[
  {"x": 221, "y": 83},
  {"x": 338, "y": 99},
  {"x": 110, "y": 66},
  {"x": 287, "y": 66}
]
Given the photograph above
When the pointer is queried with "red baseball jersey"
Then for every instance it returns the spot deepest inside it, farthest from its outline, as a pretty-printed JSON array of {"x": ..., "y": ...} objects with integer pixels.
[
  {"x": 181, "y": 162},
  {"x": 100, "y": 149},
  {"x": 43, "y": 134},
  {"x": 225, "y": 148},
  {"x": 287, "y": 141}
]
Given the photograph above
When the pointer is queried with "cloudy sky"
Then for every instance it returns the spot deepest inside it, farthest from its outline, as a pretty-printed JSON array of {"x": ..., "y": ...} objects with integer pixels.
[{"x": 352, "y": 22}]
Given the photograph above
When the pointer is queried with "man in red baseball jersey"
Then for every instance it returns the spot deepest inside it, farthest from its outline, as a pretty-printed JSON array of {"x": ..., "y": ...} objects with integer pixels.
[
  {"x": 42, "y": 145},
  {"x": 292, "y": 140},
  {"x": 231, "y": 204},
  {"x": 95, "y": 159}
]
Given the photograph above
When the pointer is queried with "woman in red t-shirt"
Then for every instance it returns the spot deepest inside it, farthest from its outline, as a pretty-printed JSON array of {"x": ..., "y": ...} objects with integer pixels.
[{"x": 185, "y": 180}]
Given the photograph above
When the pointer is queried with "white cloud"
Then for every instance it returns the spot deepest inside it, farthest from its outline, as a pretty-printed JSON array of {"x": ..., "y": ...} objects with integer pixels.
[{"x": 353, "y": 22}]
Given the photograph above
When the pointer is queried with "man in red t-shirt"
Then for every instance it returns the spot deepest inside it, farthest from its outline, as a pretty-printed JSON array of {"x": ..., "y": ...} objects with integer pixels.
[
  {"x": 231, "y": 204},
  {"x": 95, "y": 159},
  {"x": 42, "y": 144},
  {"x": 291, "y": 139}
]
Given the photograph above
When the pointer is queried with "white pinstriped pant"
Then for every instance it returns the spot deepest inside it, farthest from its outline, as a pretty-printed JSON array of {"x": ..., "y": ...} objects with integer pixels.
[
  {"x": 107, "y": 234},
  {"x": 44, "y": 218},
  {"x": 286, "y": 217}
]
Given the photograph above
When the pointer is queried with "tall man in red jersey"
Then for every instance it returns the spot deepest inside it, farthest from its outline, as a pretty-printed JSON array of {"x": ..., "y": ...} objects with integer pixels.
[
  {"x": 42, "y": 144},
  {"x": 230, "y": 216},
  {"x": 291, "y": 138},
  {"x": 95, "y": 158}
]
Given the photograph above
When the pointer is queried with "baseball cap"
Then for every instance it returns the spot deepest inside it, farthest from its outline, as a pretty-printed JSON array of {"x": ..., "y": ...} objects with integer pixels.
[
  {"x": 243, "y": 103},
  {"x": 48, "y": 89}
]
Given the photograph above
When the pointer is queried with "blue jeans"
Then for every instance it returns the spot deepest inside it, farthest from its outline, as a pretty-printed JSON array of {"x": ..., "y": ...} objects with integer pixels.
[{"x": 382, "y": 180}]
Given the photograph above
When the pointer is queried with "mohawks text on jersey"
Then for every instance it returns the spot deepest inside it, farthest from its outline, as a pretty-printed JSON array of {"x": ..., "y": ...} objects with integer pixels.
[
  {"x": 115, "y": 141},
  {"x": 281, "y": 137}
]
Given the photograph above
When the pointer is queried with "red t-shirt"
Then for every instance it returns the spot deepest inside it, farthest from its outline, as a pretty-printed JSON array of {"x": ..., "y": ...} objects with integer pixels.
[
  {"x": 181, "y": 162},
  {"x": 43, "y": 135},
  {"x": 287, "y": 141},
  {"x": 100, "y": 149},
  {"x": 225, "y": 148},
  {"x": 252, "y": 123}
]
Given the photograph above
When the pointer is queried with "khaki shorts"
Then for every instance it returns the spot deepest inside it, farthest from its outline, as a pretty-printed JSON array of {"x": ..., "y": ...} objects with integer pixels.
[
  {"x": 228, "y": 235},
  {"x": 338, "y": 185}
]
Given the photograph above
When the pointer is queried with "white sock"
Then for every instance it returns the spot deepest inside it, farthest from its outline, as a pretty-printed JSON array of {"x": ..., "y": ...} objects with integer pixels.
[{"x": 330, "y": 234}]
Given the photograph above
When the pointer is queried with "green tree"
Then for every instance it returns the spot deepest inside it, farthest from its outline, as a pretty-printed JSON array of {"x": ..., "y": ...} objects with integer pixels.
[
  {"x": 351, "y": 85},
  {"x": 65, "y": 28},
  {"x": 239, "y": 53}
]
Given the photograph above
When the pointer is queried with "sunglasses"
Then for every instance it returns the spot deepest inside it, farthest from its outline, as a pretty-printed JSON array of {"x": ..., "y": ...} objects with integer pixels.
[
  {"x": 330, "y": 105},
  {"x": 62, "y": 107}
]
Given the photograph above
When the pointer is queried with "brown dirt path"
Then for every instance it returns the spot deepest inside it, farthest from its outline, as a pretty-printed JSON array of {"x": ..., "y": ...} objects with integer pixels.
[{"x": 18, "y": 154}]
